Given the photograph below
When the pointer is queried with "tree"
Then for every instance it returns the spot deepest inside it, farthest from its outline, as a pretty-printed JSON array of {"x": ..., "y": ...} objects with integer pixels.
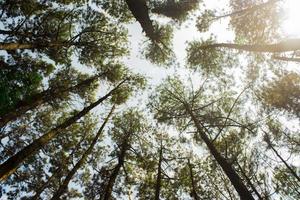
[
  {"x": 9, "y": 166},
  {"x": 172, "y": 95}
]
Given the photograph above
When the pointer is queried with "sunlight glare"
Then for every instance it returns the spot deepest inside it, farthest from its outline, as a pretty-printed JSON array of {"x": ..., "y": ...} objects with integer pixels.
[{"x": 291, "y": 26}]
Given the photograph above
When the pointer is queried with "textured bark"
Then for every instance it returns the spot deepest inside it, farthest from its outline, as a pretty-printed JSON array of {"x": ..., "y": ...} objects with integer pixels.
[
  {"x": 234, "y": 178},
  {"x": 63, "y": 187},
  {"x": 288, "y": 45},
  {"x": 140, "y": 11},
  {"x": 159, "y": 175},
  {"x": 193, "y": 190},
  {"x": 11, "y": 165},
  {"x": 38, "y": 99}
]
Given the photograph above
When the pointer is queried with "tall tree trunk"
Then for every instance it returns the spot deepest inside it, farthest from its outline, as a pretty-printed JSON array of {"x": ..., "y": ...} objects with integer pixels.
[
  {"x": 249, "y": 182},
  {"x": 11, "y": 165},
  {"x": 159, "y": 175},
  {"x": 287, "y": 45},
  {"x": 58, "y": 170},
  {"x": 234, "y": 178},
  {"x": 63, "y": 187},
  {"x": 140, "y": 11},
  {"x": 38, "y": 99},
  {"x": 282, "y": 160},
  {"x": 193, "y": 190},
  {"x": 113, "y": 176}
]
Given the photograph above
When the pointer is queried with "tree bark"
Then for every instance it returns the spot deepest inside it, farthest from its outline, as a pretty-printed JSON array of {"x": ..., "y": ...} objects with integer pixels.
[
  {"x": 38, "y": 99},
  {"x": 63, "y": 187},
  {"x": 158, "y": 177},
  {"x": 234, "y": 178},
  {"x": 140, "y": 11},
  {"x": 288, "y": 45},
  {"x": 193, "y": 190},
  {"x": 11, "y": 164},
  {"x": 121, "y": 159}
]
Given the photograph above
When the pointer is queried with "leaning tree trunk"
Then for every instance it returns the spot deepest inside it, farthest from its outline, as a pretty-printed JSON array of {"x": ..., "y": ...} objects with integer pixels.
[
  {"x": 247, "y": 10},
  {"x": 281, "y": 58},
  {"x": 16, "y": 46},
  {"x": 287, "y": 45},
  {"x": 159, "y": 175},
  {"x": 282, "y": 160},
  {"x": 11, "y": 165},
  {"x": 193, "y": 190},
  {"x": 121, "y": 159},
  {"x": 63, "y": 187},
  {"x": 140, "y": 11},
  {"x": 38, "y": 99},
  {"x": 234, "y": 178},
  {"x": 58, "y": 170},
  {"x": 249, "y": 181}
]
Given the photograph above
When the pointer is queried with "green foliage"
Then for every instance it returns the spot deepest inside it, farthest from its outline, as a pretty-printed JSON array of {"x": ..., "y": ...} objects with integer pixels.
[
  {"x": 175, "y": 9},
  {"x": 204, "y": 20},
  {"x": 207, "y": 60},
  {"x": 160, "y": 51},
  {"x": 283, "y": 93}
]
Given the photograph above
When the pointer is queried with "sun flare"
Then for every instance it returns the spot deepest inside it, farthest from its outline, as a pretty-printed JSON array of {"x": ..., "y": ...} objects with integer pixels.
[{"x": 291, "y": 25}]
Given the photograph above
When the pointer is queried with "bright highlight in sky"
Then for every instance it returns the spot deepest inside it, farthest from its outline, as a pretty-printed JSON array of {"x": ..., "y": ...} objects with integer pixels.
[{"x": 291, "y": 26}]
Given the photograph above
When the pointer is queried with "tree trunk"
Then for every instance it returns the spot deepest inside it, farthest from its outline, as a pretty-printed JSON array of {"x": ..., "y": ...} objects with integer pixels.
[
  {"x": 250, "y": 9},
  {"x": 284, "y": 162},
  {"x": 287, "y": 45},
  {"x": 249, "y": 182},
  {"x": 38, "y": 99},
  {"x": 82, "y": 160},
  {"x": 121, "y": 158},
  {"x": 140, "y": 11},
  {"x": 158, "y": 177},
  {"x": 286, "y": 58},
  {"x": 40, "y": 190},
  {"x": 11, "y": 165},
  {"x": 234, "y": 178},
  {"x": 16, "y": 46},
  {"x": 193, "y": 190}
]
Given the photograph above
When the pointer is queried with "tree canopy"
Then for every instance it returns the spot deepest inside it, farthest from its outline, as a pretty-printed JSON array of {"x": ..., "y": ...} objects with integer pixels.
[{"x": 149, "y": 99}]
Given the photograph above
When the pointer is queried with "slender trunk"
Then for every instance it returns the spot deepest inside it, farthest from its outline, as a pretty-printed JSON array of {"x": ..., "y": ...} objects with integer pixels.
[
  {"x": 11, "y": 164},
  {"x": 140, "y": 11},
  {"x": 286, "y": 58},
  {"x": 288, "y": 45},
  {"x": 193, "y": 190},
  {"x": 250, "y": 9},
  {"x": 234, "y": 178},
  {"x": 63, "y": 187},
  {"x": 158, "y": 177},
  {"x": 249, "y": 182},
  {"x": 38, "y": 99},
  {"x": 284, "y": 162},
  {"x": 40, "y": 190},
  {"x": 121, "y": 159}
]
